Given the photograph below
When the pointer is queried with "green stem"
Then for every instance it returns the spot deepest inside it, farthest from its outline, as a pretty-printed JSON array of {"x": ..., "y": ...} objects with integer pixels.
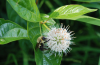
[
  {"x": 46, "y": 20},
  {"x": 46, "y": 26},
  {"x": 40, "y": 29},
  {"x": 41, "y": 3}
]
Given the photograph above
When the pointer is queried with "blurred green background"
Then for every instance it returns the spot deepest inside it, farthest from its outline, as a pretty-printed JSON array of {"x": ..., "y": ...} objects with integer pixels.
[{"x": 86, "y": 50}]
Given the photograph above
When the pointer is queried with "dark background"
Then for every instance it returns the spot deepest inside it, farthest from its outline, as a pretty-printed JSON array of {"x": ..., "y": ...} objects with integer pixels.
[{"x": 86, "y": 50}]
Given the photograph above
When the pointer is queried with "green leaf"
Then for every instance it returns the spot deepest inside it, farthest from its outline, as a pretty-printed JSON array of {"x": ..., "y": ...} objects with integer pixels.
[
  {"x": 9, "y": 58},
  {"x": 10, "y": 31},
  {"x": 49, "y": 5},
  {"x": 25, "y": 47},
  {"x": 93, "y": 5},
  {"x": 99, "y": 60},
  {"x": 70, "y": 11},
  {"x": 26, "y": 9},
  {"x": 41, "y": 58},
  {"x": 51, "y": 59},
  {"x": 50, "y": 21},
  {"x": 88, "y": 0},
  {"x": 13, "y": 16},
  {"x": 84, "y": 38},
  {"x": 88, "y": 19},
  {"x": 34, "y": 33}
]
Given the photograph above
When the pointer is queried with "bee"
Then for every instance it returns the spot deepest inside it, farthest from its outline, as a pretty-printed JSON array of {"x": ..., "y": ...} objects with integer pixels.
[{"x": 40, "y": 43}]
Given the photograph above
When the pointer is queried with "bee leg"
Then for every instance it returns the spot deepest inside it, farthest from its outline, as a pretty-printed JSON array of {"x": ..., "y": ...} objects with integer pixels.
[
  {"x": 41, "y": 47},
  {"x": 45, "y": 48},
  {"x": 47, "y": 41},
  {"x": 37, "y": 46}
]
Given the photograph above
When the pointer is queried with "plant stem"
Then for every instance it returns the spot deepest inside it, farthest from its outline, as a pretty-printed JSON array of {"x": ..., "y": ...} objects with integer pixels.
[
  {"x": 46, "y": 20},
  {"x": 40, "y": 28},
  {"x": 46, "y": 26},
  {"x": 36, "y": 2}
]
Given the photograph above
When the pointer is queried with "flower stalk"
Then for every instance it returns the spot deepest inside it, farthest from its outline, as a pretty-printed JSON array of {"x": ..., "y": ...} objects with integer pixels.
[{"x": 45, "y": 25}]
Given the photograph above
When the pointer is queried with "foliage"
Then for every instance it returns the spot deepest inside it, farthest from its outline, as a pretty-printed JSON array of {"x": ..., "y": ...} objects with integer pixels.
[{"x": 25, "y": 14}]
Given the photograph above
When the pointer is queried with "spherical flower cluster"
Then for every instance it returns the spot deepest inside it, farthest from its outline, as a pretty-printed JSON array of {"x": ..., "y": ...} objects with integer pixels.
[{"x": 60, "y": 40}]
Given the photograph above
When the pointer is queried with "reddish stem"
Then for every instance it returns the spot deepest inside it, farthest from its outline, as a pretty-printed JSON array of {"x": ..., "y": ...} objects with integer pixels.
[{"x": 36, "y": 2}]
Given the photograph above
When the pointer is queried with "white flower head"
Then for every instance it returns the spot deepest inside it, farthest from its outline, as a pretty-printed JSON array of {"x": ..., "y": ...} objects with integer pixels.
[{"x": 60, "y": 39}]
